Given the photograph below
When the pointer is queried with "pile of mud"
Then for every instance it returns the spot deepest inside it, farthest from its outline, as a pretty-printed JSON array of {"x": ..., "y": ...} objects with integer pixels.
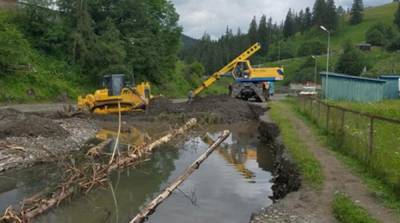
[
  {"x": 16, "y": 124},
  {"x": 221, "y": 109}
]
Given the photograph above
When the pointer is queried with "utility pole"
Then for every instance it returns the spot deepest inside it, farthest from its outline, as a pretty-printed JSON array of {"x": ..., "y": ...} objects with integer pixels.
[{"x": 327, "y": 62}]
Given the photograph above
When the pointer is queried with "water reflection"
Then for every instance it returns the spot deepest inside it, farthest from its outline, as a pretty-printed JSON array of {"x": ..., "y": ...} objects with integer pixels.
[{"x": 228, "y": 187}]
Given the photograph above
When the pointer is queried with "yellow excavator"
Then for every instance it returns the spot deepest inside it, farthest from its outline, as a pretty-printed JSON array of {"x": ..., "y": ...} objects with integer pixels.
[
  {"x": 116, "y": 96},
  {"x": 250, "y": 82}
]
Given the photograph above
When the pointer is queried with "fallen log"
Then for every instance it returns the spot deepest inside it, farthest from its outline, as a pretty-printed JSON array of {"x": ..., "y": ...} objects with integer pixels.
[
  {"x": 86, "y": 178},
  {"x": 96, "y": 151},
  {"x": 138, "y": 152},
  {"x": 151, "y": 206}
]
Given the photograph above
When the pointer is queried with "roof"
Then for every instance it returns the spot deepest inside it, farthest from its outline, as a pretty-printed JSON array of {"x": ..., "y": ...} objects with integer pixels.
[
  {"x": 389, "y": 77},
  {"x": 345, "y": 76}
]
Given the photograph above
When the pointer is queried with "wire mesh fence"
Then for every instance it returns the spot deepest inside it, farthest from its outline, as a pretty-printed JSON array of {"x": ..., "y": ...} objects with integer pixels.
[{"x": 371, "y": 139}]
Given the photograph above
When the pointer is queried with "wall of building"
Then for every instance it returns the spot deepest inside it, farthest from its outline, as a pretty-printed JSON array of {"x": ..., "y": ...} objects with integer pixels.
[
  {"x": 351, "y": 88},
  {"x": 392, "y": 86}
]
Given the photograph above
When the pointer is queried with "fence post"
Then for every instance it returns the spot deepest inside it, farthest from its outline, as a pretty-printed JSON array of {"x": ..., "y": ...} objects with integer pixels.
[
  {"x": 328, "y": 109},
  {"x": 371, "y": 140},
  {"x": 311, "y": 108},
  {"x": 319, "y": 112},
  {"x": 342, "y": 129}
]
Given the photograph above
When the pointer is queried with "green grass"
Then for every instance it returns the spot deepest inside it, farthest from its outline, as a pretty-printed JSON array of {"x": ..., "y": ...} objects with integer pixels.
[
  {"x": 382, "y": 190},
  {"x": 346, "y": 211},
  {"x": 309, "y": 166},
  {"x": 353, "y": 138},
  {"x": 389, "y": 108},
  {"x": 47, "y": 80}
]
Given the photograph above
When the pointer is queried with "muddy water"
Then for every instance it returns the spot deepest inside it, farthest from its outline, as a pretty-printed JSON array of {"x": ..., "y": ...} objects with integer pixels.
[{"x": 228, "y": 187}]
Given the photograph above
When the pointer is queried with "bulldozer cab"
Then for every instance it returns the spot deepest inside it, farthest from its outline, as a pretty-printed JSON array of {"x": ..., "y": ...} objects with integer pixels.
[
  {"x": 114, "y": 83},
  {"x": 242, "y": 70}
]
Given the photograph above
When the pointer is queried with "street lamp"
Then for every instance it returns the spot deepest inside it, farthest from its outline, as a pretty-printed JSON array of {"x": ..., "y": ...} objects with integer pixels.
[
  {"x": 327, "y": 60},
  {"x": 315, "y": 71}
]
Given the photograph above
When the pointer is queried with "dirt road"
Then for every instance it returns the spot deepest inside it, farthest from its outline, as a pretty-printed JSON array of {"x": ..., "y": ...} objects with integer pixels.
[{"x": 308, "y": 205}]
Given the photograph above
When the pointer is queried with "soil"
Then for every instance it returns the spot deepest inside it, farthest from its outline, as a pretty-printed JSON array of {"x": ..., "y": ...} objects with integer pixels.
[
  {"x": 27, "y": 138},
  {"x": 17, "y": 124},
  {"x": 222, "y": 109},
  {"x": 308, "y": 205},
  {"x": 40, "y": 133}
]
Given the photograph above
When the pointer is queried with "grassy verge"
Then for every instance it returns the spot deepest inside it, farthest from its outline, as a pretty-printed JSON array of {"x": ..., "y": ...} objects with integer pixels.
[
  {"x": 346, "y": 211},
  {"x": 381, "y": 190},
  {"x": 389, "y": 108},
  {"x": 309, "y": 166}
]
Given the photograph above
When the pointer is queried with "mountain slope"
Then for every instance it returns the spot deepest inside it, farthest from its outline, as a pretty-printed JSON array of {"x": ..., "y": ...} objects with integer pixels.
[{"x": 380, "y": 61}]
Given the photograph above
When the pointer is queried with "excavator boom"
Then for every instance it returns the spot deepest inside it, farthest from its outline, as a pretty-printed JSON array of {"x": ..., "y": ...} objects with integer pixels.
[{"x": 217, "y": 75}]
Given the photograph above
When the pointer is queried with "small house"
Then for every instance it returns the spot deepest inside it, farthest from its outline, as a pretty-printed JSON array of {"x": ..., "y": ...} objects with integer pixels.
[
  {"x": 364, "y": 46},
  {"x": 352, "y": 88}
]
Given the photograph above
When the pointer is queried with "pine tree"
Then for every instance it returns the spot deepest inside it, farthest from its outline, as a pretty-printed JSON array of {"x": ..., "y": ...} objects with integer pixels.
[
  {"x": 356, "y": 13},
  {"x": 263, "y": 34},
  {"x": 340, "y": 11},
  {"x": 397, "y": 17},
  {"x": 289, "y": 25},
  {"x": 300, "y": 21},
  {"x": 308, "y": 18},
  {"x": 319, "y": 13},
  {"x": 332, "y": 17},
  {"x": 253, "y": 31}
]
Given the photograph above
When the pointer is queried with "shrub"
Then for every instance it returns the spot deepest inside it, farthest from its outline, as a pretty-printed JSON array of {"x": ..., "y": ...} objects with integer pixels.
[
  {"x": 379, "y": 34},
  {"x": 352, "y": 61},
  {"x": 394, "y": 45},
  {"x": 375, "y": 37},
  {"x": 14, "y": 49},
  {"x": 311, "y": 48}
]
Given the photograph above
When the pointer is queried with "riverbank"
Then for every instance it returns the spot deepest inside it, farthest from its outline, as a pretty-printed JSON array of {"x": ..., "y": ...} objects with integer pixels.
[{"x": 311, "y": 204}]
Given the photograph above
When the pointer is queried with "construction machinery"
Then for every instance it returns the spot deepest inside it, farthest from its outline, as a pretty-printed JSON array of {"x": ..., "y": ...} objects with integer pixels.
[
  {"x": 116, "y": 96},
  {"x": 250, "y": 82}
]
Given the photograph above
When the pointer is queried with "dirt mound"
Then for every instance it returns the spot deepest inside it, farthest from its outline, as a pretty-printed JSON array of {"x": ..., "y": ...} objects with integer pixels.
[
  {"x": 221, "y": 109},
  {"x": 16, "y": 124}
]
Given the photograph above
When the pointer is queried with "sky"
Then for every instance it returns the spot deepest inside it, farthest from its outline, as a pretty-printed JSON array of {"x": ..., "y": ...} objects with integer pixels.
[{"x": 213, "y": 16}]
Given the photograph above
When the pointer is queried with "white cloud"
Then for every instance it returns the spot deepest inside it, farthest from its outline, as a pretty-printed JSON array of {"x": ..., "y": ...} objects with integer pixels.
[{"x": 212, "y": 16}]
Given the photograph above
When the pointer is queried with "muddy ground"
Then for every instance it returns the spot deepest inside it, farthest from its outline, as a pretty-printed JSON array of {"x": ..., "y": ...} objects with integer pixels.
[{"x": 41, "y": 135}]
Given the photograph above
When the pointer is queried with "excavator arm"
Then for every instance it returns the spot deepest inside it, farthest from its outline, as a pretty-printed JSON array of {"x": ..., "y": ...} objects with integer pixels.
[{"x": 216, "y": 76}]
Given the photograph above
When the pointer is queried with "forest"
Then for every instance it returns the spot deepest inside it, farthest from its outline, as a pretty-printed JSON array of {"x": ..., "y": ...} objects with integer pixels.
[{"x": 140, "y": 37}]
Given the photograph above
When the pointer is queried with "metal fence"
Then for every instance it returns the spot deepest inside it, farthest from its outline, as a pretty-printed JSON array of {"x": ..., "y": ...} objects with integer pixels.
[{"x": 371, "y": 139}]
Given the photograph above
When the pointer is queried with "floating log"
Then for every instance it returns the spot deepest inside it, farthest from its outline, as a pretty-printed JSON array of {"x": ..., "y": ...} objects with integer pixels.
[
  {"x": 85, "y": 179},
  {"x": 150, "y": 207},
  {"x": 139, "y": 152}
]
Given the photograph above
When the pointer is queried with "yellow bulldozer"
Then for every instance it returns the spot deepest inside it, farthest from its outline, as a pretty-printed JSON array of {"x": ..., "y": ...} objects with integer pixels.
[{"x": 116, "y": 96}]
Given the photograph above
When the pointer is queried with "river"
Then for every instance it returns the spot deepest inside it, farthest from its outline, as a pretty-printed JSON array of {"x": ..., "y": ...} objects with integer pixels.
[{"x": 231, "y": 184}]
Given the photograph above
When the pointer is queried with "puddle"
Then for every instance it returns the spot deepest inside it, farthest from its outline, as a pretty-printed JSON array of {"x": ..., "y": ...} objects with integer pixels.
[{"x": 230, "y": 185}]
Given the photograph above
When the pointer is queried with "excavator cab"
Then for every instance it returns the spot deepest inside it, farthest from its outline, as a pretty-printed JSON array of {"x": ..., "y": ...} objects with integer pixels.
[
  {"x": 114, "y": 83},
  {"x": 242, "y": 70}
]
